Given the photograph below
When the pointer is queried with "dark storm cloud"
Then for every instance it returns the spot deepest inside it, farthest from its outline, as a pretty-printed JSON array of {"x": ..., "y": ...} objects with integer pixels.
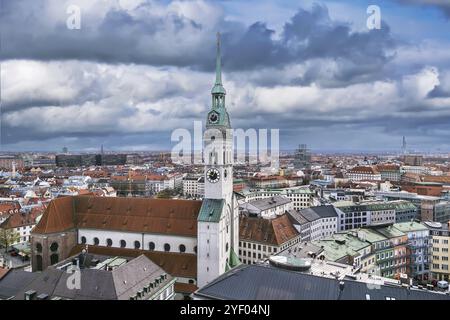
[
  {"x": 439, "y": 92},
  {"x": 120, "y": 37},
  {"x": 442, "y": 5},
  {"x": 313, "y": 35}
]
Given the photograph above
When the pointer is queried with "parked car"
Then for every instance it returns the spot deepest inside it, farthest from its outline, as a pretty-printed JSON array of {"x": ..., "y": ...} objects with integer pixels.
[{"x": 442, "y": 285}]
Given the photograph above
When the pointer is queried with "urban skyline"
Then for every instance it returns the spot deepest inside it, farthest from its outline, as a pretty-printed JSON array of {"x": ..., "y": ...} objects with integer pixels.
[{"x": 227, "y": 211}]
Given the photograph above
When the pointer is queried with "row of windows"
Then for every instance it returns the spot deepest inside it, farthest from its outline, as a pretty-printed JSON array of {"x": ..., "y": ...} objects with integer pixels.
[
  {"x": 53, "y": 247},
  {"x": 436, "y": 249},
  {"x": 444, "y": 241},
  {"x": 137, "y": 244},
  {"x": 255, "y": 246},
  {"x": 24, "y": 228},
  {"x": 392, "y": 263},
  {"x": 444, "y": 266},
  {"x": 437, "y": 258},
  {"x": 249, "y": 254}
]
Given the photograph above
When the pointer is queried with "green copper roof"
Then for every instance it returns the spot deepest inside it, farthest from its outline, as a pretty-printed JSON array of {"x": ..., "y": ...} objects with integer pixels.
[
  {"x": 211, "y": 210},
  {"x": 347, "y": 245},
  {"x": 390, "y": 232},
  {"x": 218, "y": 88},
  {"x": 369, "y": 235},
  {"x": 233, "y": 261},
  {"x": 410, "y": 226}
]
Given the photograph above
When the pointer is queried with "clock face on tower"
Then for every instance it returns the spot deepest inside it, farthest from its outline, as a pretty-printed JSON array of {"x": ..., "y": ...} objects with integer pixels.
[
  {"x": 213, "y": 175},
  {"x": 213, "y": 118}
]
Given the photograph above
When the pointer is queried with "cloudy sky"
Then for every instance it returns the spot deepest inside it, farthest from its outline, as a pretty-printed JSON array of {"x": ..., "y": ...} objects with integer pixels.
[{"x": 136, "y": 70}]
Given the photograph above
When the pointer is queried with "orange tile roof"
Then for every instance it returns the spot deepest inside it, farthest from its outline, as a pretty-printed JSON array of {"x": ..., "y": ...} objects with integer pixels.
[
  {"x": 439, "y": 179},
  {"x": 19, "y": 219},
  {"x": 57, "y": 217},
  {"x": 164, "y": 216},
  {"x": 7, "y": 207},
  {"x": 363, "y": 170},
  {"x": 388, "y": 167},
  {"x": 3, "y": 272},
  {"x": 271, "y": 231},
  {"x": 185, "y": 287}
]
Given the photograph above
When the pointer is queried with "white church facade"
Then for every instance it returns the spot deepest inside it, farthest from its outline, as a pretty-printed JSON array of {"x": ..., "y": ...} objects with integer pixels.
[{"x": 195, "y": 241}]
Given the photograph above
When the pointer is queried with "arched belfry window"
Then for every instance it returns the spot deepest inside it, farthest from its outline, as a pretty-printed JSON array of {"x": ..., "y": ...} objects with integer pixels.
[{"x": 54, "y": 247}]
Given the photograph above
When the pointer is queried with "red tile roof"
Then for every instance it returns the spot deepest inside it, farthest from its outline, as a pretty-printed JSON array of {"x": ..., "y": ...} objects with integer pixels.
[
  {"x": 164, "y": 216},
  {"x": 388, "y": 167},
  {"x": 3, "y": 272},
  {"x": 270, "y": 231},
  {"x": 185, "y": 287},
  {"x": 176, "y": 264},
  {"x": 363, "y": 170},
  {"x": 20, "y": 219},
  {"x": 57, "y": 217}
]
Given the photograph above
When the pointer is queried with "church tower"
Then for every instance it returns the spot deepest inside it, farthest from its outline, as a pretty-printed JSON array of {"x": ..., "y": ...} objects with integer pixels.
[{"x": 218, "y": 222}]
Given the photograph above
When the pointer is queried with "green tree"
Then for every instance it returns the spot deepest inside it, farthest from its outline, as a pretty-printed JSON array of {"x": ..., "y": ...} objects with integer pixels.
[
  {"x": 166, "y": 194},
  {"x": 8, "y": 237}
]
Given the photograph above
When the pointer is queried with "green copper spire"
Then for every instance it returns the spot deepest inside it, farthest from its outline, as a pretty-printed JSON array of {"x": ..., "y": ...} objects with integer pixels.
[
  {"x": 218, "y": 116},
  {"x": 218, "y": 62},
  {"x": 218, "y": 88}
]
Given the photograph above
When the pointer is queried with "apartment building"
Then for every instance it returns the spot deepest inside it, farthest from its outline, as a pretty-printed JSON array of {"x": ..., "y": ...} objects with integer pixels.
[
  {"x": 260, "y": 238},
  {"x": 363, "y": 173},
  {"x": 22, "y": 223},
  {"x": 417, "y": 249},
  {"x": 157, "y": 183},
  {"x": 356, "y": 215},
  {"x": 323, "y": 221},
  {"x": 194, "y": 186},
  {"x": 404, "y": 211},
  {"x": 389, "y": 172},
  {"x": 419, "y": 170},
  {"x": 440, "y": 250},
  {"x": 300, "y": 196},
  {"x": 267, "y": 208},
  {"x": 391, "y": 253}
]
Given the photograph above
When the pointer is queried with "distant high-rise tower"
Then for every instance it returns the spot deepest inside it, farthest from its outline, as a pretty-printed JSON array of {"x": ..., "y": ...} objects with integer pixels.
[
  {"x": 404, "y": 145},
  {"x": 65, "y": 150},
  {"x": 302, "y": 158},
  {"x": 13, "y": 171},
  {"x": 101, "y": 150}
]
